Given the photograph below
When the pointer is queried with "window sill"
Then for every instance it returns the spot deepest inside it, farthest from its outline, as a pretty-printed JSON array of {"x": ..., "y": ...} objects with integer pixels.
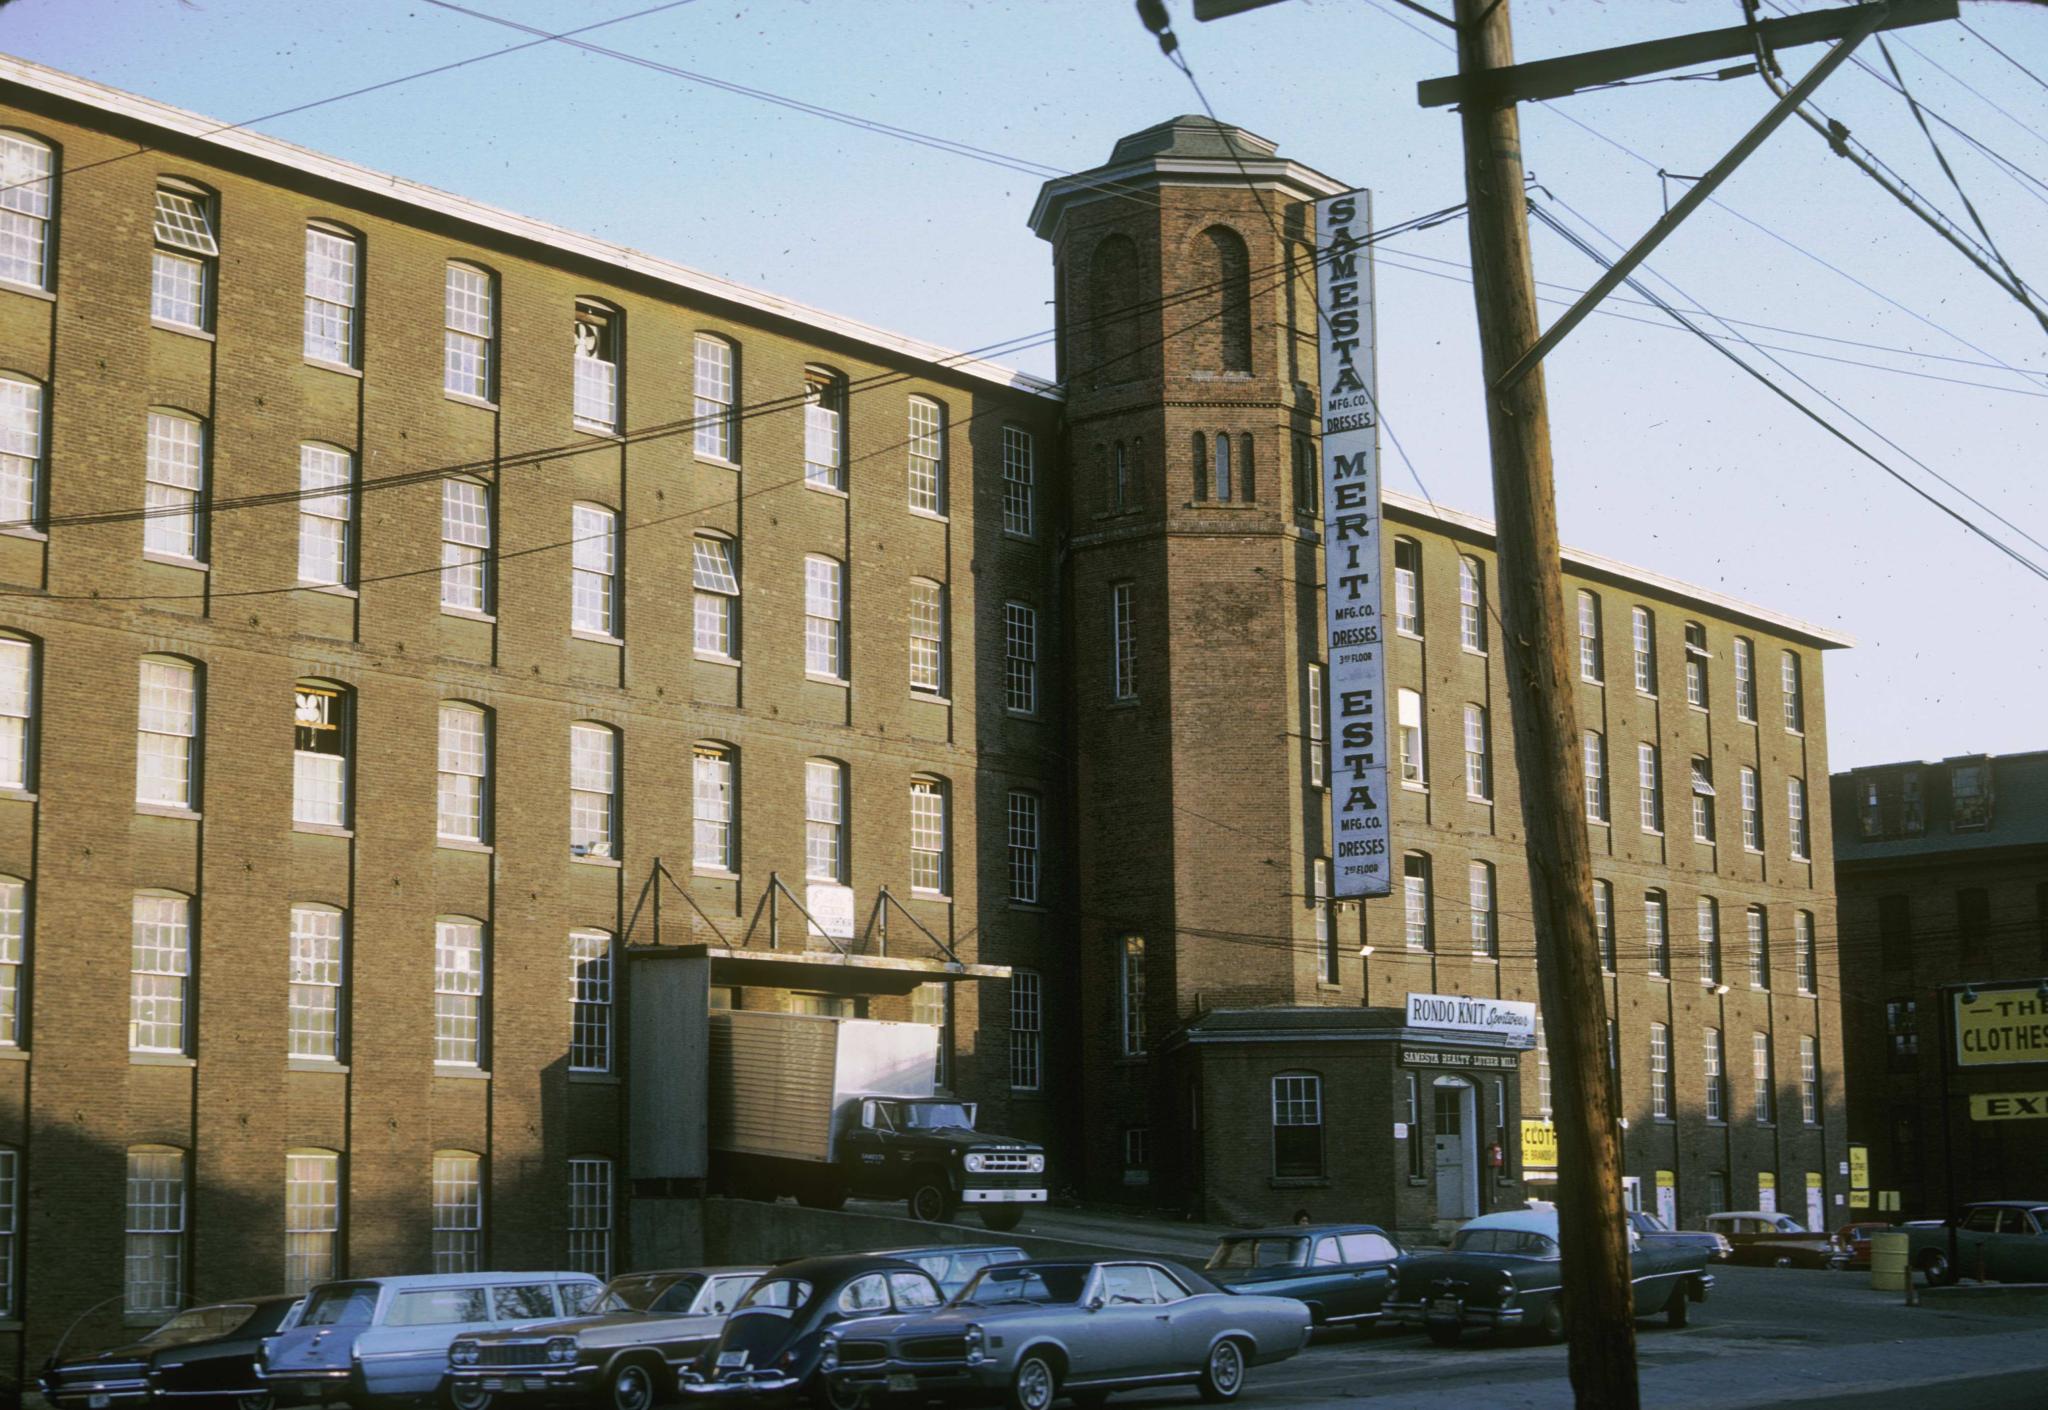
[
  {"x": 823, "y": 488},
  {"x": 602, "y": 638},
  {"x": 1698, "y": 709},
  {"x": 1593, "y": 680},
  {"x": 1035, "y": 908},
  {"x": 469, "y": 614},
  {"x": 936, "y": 516},
  {"x": 25, "y": 531},
  {"x": 841, "y": 681},
  {"x": 1414, "y": 787},
  {"x": 712, "y": 658},
  {"x": 465, "y": 399},
  {"x": 343, "y": 368},
  {"x": 1654, "y": 977},
  {"x": 323, "y": 829},
  {"x": 717, "y": 462},
  {"x": 32, "y": 290},
  {"x": 174, "y": 561},
  {"x": 597, "y": 429},
  {"x": 461, "y": 1072},
  {"x": 10, "y": 1053},
  {"x": 166, "y": 810},
  {"x": 1031, "y": 715},
  {"x": 930, "y": 697},
  {"x": 594, "y": 1079},
  {"x": 1469, "y": 798},
  {"x": 161, "y": 1060},
  {"x": 183, "y": 330},
  {"x": 939, "y": 896},
  {"x": 612, "y": 862},
  {"x": 1642, "y": 694},
  {"x": 1407, "y": 635},
  {"x": 1478, "y": 651},
  {"x": 1752, "y": 851},
  {"x": 1742, "y": 719},
  {"x": 1015, "y": 537},
  {"x": 464, "y": 844},
  {"x": 312, "y": 1064},
  {"x": 330, "y": 589},
  {"x": 1128, "y": 702},
  {"x": 1796, "y": 731},
  {"x": 1598, "y": 822},
  {"x": 1478, "y": 958}
]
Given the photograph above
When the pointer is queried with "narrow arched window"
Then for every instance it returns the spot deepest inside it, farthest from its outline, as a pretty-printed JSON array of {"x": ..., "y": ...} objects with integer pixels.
[
  {"x": 1119, "y": 478},
  {"x": 593, "y": 790},
  {"x": 154, "y": 1281},
  {"x": 323, "y": 745},
  {"x": 21, "y": 449},
  {"x": 167, "y": 733},
  {"x": 27, "y": 203},
  {"x": 184, "y": 264},
  {"x": 458, "y": 1211},
  {"x": 1113, "y": 310},
  {"x": 590, "y": 1001},
  {"x": 334, "y": 260},
  {"x": 824, "y": 820},
  {"x": 312, "y": 1218},
  {"x": 600, "y": 339},
  {"x": 1223, "y": 467},
  {"x": 1201, "y": 467},
  {"x": 927, "y": 445},
  {"x": 928, "y": 870},
  {"x": 824, "y": 429},
  {"x": 1222, "y": 275},
  {"x": 317, "y": 970},
  {"x": 714, "y": 372},
  {"x": 1247, "y": 489},
  {"x": 463, "y": 773},
  {"x": 469, "y": 332},
  {"x": 327, "y": 485},
  {"x": 715, "y": 803},
  {"x": 459, "y": 988}
]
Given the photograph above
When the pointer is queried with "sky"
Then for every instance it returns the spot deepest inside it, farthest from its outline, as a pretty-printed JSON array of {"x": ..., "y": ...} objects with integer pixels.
[{"x": 1668, "y": 456}]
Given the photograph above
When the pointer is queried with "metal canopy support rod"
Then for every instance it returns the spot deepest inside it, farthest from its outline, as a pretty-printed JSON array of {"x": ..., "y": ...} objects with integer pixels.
[{"x": 1872, "y": 16}]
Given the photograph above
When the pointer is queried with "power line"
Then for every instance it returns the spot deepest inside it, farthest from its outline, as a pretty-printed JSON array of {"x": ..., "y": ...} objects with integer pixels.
[{"x": 1981, "y": 39}]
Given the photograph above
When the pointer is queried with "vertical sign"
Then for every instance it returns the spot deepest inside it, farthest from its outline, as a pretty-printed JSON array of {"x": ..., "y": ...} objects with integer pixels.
[{"x": 1357, "y": 678}]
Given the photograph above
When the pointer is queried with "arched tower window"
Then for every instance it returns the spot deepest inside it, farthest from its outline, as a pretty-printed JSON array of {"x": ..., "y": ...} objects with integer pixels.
[
  {"x": 1222, "y": 274},
  {"x": 1113, "y": 310},
  {"x": 1201, "y": 467}
]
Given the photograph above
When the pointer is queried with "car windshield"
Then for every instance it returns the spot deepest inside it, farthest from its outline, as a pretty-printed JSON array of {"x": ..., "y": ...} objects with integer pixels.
[
  {"x": 778, "y": 1294},
  {"x": 200, "y": 1324},
  {"x": 935, "y": 1116},
  {"x": 342, "y": 1305},
  {"x": 1651, "y": 1224},
  {"x": 1285, "y": 1251},
  {"x": 650, "y": 1292},
  {"x": 1523, "y": 1243},
  {"x": 1046, "y": 1286}
]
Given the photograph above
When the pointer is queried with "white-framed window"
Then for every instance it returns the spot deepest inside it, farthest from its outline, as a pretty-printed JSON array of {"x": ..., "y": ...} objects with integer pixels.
[
  {"x": 10, "y": 1169},
  {"x": 593, "y": 790},
  {"x": 1590, "y": 640},
  {"x": 174, "y": 486},
  {"x": 597, "y": 360},
  {"x": 1649, "y": 787},
  {"x": 1759, "y": 934},
  {"x": 1123, "y": 642},
  {"x": 932, "y": 1004},
  {"x": 1696, "y": 658},
  {"x": 469, "y": 328},
  {"x": 1119, "y": 478},
  {"x": 1657, "y": 933},
  {"x": 1595, "y": 754},
  {"x": 927, "y": 637},
  {"x": 160, "y": 972},
  {"x": 333, "y": 285},
  {"x": 1023, "y": 833},
  {"x": 717, "y": 429},
  {"x": 1316, "y": 757},
  {"x": 927, "y": 446},
  {"x": 1752, "y": 817},
  {"x": 1760, "y": 1057},
  {"x": 824, "y": 628},
  {"x": 462, "y": 771},
  {"x": 1478, "y": 755},
  {"x": 167, "y": 733},
  {"x": 824, "y": 429},
  {"x": 1795, "y": 817},
  {"x": 458, "y": 1212},
  {"x": 1660, "y": 1072},
  {"x": 321, "y": 747},
  {"x": 1020, "y": 658},
  {"x": 824, "y": 820},
  {"x": 1794, "y": 690},
  {"x": 312, "y": 1218},
  {"x": 1709, "y": 932},
  {"x": 1472, "y": 604},
  {"x": 17, "y": 711},
  {"x": 153, "y": 1278},
  {"x": 327, "y": 487},
  {"x": 590, "y": 1215},
  {"x": 1643, "y": 630},
  {"x": 1131, "y": 994},
  {"x": 1479, "y": 897},
  {"x": 1027, "y": 1030},
  {"x": 1543, "y": 1103},
  {"x": 1809, "y": 1080},
  {"x": 590, "y": 1001},
  {"x": 1745, "y": 680},
  {"x": 1802, "y": 952},
  {"x": 459, "y": 991},
  {"x": 717, "y": 605},
  {"x": 1702, "y": 800},
  {"x": 928, "y": 837},
  {"x": 313, "y": 1027},
  {"x": 1716, "y": 1080},
  {"x": 714, "y": 795},
  {"x": 27, "y": 201},
  {"x": 1408, "y": 720},
  {"x": 1326, "y": 932},
  {"x": 1020, "y": 483},
  {"x": 1417, "y": 921},
  {"x": 1408, "y": 587},
  {"x": 1298, "y": 1126},
  {"x": 21, "y": 439},
  {"x": 13, "y": 955},
  {"x": 594, "y": 570},
  {"x": 465, "y": 545},
  {"x": 182, "y": 265},
  {"x": 1603, "y": 921}
]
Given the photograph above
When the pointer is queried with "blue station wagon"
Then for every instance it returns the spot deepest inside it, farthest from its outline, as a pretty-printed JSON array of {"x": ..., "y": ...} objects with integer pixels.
[{"x": 1342, "y": 1271}]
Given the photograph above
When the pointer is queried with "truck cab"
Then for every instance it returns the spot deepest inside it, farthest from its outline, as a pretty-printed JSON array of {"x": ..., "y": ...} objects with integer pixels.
[{"x": 925, "y": 1151}]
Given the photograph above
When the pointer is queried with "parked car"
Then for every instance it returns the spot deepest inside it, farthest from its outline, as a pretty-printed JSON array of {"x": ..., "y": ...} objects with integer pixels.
[
  {"x": 954, "y": 1267},
  {"x": 2001, "y": 1241},
  {"x": 1502, "y": 1272},
  {"x": 1343, "y": 1272},
  {"x": 384, "y": 1341},
  {"x": 625, "y": 1353},
  {"x": 1765, "y": 1239},
  {"x": 1653, "y": 1230},
  {"x": 773, "y": 1343},
  {"x": 1855, "y": 1240},
  {"x": 1026, "y": 1333},
  {"x": 205, "y": 1352}
]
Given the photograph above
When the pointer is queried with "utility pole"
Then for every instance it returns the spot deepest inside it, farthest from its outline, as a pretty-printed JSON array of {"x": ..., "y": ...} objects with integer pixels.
[{"x": 1598, "y": 1299}]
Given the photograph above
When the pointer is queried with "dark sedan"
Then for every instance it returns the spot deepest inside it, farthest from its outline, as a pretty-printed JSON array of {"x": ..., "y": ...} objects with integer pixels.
[
  {"x": 202, "y": 1354},
  {"x": 1342, "y": 1271},
  {"x": 1652, "y": 1230},
  {"x": 1766, "y": 1239}
]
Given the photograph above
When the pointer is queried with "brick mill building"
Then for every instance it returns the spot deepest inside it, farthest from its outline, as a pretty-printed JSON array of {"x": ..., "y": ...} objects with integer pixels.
[{"x": 410, "y": 611}]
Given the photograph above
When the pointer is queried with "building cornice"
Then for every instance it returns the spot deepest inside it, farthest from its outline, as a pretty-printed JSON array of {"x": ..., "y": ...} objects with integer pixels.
[{"x": 1111, "y": 183}]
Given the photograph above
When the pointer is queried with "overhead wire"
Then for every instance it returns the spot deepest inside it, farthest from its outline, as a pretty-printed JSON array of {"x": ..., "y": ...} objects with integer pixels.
[{"x": 1977, "y": 35}]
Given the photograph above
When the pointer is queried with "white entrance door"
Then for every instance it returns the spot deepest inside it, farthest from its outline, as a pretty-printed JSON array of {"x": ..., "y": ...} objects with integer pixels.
[
  {"x": 1816, "y": 1205},
  {"x": 1632, "y": 1194},
  {"x": 1457, "y": 1155}
]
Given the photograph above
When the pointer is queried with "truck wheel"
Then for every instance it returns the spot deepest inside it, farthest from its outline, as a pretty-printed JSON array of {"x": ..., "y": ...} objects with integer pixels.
[
  {"x": 1034, "y": 1385},
  {"x": 931, "y": 1199},
  {"x": 1675, "y": 1310},
  {"x": 1222, "y": 1373},
  {"x": 631, "y": 1387},
  {"x": 1001, "y": 1217}
]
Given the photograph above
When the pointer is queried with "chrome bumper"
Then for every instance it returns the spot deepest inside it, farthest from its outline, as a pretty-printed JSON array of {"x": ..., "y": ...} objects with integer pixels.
[
  {"x": 1421, "y": 1314},
  {"x": 737, "y": 1383},
  {"x": 555, "y": 1375},
  {"x": 927, "y": 1375},
  {"x": 971, "y": 1195}
]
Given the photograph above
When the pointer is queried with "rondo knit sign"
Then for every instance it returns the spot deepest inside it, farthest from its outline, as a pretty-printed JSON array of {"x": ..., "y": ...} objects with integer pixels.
[
  {"x": 2001, "y": 1027},
  {"x": 1356, "y": 678}
]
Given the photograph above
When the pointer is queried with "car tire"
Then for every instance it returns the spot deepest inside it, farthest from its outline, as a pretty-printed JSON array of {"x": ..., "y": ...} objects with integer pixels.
[
  {"x": 260, "y": 1400},
  {"x": 1034, "y": 1385},
  {"x": 1001, "y": 1217},
  {"x": 828, "y": 1393},
  {"x": 457, "y": 1396},
  {"x": 1940, "y": 1272},
  {"x": 1551, "y": 1328},
  {"x": 931, "y": 1200},
  {"x": 1445, "y": 1333},
  {"x": 1223, "y": 1373},
  {"x": 1675, "y": 1311},
  {"x": 632, "y": 1386}
]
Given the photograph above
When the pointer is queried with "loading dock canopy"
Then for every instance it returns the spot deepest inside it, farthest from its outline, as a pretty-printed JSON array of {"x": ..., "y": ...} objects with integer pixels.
[{"x": 829, "y": 972}]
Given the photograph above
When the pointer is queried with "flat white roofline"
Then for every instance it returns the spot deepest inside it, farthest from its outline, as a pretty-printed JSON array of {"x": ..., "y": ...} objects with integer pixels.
[
  {"x": 1615, "y": 568},
  {"x": 412, "y": 193}
]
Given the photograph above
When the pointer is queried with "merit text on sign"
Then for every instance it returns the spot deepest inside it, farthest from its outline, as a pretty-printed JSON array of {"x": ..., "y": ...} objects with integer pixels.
[{"x": 2001, "y": 1027}]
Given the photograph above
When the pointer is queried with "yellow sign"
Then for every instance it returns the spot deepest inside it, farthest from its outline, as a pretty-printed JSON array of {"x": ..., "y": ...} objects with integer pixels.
[
  {"x": 2009, "y": 1106},
  {"x": 1667, "y": 1180},
  {"x": 2001, "y": 1027},
  {"x": 1813, "y": 1180},
  {"x": 1539, "y": 1145},
  {"x": 1859, "y": 1173}
]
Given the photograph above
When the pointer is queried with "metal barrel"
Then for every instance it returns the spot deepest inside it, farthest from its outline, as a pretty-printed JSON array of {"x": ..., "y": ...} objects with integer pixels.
[{"x": 1888, "y": 1269}]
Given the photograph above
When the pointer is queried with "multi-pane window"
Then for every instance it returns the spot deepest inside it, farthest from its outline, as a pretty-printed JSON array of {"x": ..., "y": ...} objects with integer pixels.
[
  {"x": 462, "y": 765},
  {"x": 1024, "y": 857},
  {"x": 1649, "y": 788},
  {"x": 1417, "y": 922},
  {"x": 459, "y": 991},
  {"x": 1716, "y": 1081},
  {"x": 1809, "y": 1080},
  {"x": 1478, "y": 755},
  {"x": 717, "y": 428},
  {"x": 174, "y": 483},
  {"x": 927, "y": 637},
  {"x": 593, "y": 790},
  {"x": 1314, "y": 692},
  {"x": 928, "y": 456},
  {"x": 1020, "y": 658},
  {"x": 1745, "y": 680},
  {"x": 1643, "y": 630},
  {"x": 1408, "y": 586},
  {"x": 332, "y": 264},
  {"x": 1479, "y": 896},
  {"x": 21, "y": 447},
  {"x": 313, "y": 1026},
  {"x": 1326, "y": 933},
  {"x": 1298, "y": 1126},
  {"x": 1660, "y": 1072},
  {"x": 312, "y": 1218},
  {"x": 1408, "y": 720},
  {"x": 1471, "y": 604},
  {"x": 1902, "y": 1033},
  {"x": 1123, "y": 642},
  {"x": 1696, "y": 658},
  {"x": 1603, "y": 922},
  {"x": 1020, "y": 483},
  {"x": 468, "y": 327},
  {"x": 712, "y": 796},
  {"x": 26, "y": 205},
  {"x": 1710, "y": 940},
  {"x": 590, "y": 1215},
  {"x": 1120, "y": 479},
  {"x": 718, "y": 596},
  {"x": 596, "y": 383},
  {"x": 1027, "y": 1030},
  {"x": 1794, "y": 692},
  {"x": 327, "y": 479},
  {"x": 1760, "y": 1057},
  {"x": 1752, "y": 819},
  {"x": 320, "y": 754},
  {"x": 590, "y": 1001},
  {"x": 182, "y": 264},
  {"x": 458, "y": 1212},
  {"x": 1657, "y": 933},
  {"x": 13, "y": 954},
  {"x": 1543, "y": 1097},
  {"x": 166, "y": 733},
  {"x": 824, "y": 820},
  {"x": 153, "y": 1281},
  {"x": 594, "y": 570},
  {"x": 1802, "y": 951},
  {"x": 1759, "y": 947},
  {"x": 928, "y": 836},
  {"x": 824, "y": 430},
  {"x": 465, "y": 545},
  {"x": 1795, "y": 817},
  {"x": 160, "y": 969},
  {"x": 17, "y": 708},
  {"x": 1131, "y": 995},
  {"x": 1702, "y": 800},
  {"x": 1589, "y": 638},
  {"x": 1594, "y": 751},
  {"x": 823, "y": 628}
]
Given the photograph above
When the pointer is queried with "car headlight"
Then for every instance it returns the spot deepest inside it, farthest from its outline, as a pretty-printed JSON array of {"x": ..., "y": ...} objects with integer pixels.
[
  {"x": 1035, "y": 1164},
  {"x": 828, "y": 1360},
  {"x": 971, "y": 1334},
  {"x": 1721, "y": 1244},
  {"x": 463, "y": 1353},
  {"x": 977, "y": 1163},
  {"x": 561, "y": 1349}
]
